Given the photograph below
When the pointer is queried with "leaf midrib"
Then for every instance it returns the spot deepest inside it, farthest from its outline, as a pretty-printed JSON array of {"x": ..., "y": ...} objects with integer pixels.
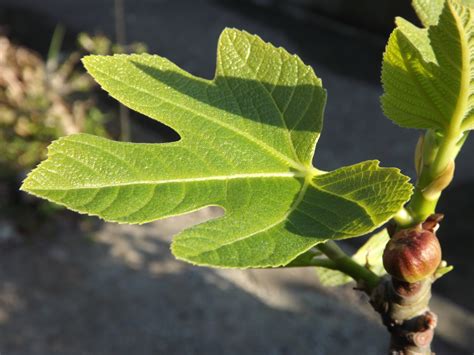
[
  {"x": 281, "y": 113},
  {"x": 463, "y": 97},
  {"x": 289, "y": 175}
]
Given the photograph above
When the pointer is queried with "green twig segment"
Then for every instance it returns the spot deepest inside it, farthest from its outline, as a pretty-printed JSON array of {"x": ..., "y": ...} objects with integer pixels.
[
  {"x": 439, "y": 152},
  {"x": 344, "y": 263}
]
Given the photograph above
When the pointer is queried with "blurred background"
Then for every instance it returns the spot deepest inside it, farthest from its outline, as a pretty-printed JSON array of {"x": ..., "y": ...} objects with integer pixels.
[{"x": 71, "y": 284}]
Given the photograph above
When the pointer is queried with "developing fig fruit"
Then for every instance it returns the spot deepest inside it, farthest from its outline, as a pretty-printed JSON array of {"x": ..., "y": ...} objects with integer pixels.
[{"x": 412, "y": 255}]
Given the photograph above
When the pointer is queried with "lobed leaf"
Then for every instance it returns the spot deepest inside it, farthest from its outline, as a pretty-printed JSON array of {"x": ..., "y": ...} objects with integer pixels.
[{"x": 247, "y": 143}]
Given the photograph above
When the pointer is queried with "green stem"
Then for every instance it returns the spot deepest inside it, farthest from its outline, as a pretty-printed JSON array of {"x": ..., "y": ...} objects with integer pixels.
[
  {"x": 55, "y": 44},
  {"x": 402, "y": 305},
  {"x": 439, "y": 151},
  {"x": 347, "y": 265},
  {"x": 403, "y": 218}
]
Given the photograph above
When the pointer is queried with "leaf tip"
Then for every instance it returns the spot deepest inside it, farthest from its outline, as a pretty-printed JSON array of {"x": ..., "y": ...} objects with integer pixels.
[
  {"x": 28, "y": 184},
  {"x": 230, "y": 32},
  {"x": 93, "y": 61},
  {"x": 88, "y": 61},
  {"x": 24, "y": 185}
]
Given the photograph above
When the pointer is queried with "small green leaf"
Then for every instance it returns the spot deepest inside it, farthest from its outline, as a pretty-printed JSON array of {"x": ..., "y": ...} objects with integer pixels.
[
  {"x": 332, "y": 278},
  {"x": 369, "y": 255},
  {"x": 427, "y": 73},
  {"x": 443, "y": 269},
  {"x": 247, "y": 145}
]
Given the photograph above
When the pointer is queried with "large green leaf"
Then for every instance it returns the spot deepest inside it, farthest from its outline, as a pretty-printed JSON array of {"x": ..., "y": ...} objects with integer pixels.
[
  {"x": 247, "y": 143},
  {"x": 428, "y": 74}
]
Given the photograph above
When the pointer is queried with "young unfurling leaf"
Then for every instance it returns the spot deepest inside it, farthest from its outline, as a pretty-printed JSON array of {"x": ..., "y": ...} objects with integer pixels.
[{"x": 427, "y": 72}]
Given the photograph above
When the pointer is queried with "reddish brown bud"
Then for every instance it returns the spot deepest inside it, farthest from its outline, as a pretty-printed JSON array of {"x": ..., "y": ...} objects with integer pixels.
[
  {"x": 432, "y": 222},
  {"x": 412, "y": 255}
]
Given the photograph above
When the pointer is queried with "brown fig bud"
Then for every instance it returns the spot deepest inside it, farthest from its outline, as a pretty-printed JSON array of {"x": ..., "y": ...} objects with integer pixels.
[{"x": 412, "y": 255}]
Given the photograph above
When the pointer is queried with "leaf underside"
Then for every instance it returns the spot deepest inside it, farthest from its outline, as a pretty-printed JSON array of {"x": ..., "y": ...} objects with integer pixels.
[
  {"x": 247, "y": 143},
  {"x": 428, "y": 11},
  {"x": 428, "y": 73}
]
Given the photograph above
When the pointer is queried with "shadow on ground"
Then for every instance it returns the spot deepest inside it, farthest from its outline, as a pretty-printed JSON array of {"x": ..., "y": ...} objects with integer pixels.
[{"x": 121, "y": 292}]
